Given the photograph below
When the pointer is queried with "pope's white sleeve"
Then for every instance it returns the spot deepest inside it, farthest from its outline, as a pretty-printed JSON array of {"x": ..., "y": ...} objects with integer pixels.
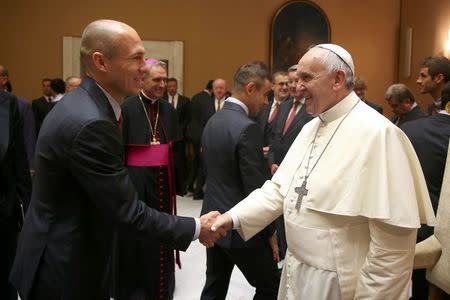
[
  {"x": 387, "y": 270},
  {"x": 259, "y": 209}
]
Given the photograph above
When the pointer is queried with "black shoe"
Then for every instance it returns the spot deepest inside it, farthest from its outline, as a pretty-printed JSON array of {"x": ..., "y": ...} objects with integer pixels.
[{"x": 190, "y": 189}]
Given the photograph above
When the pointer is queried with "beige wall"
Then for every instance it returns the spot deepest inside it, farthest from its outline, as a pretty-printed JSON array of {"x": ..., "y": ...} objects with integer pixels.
[
  {"x": 430, "y": 23},
  {"x": 218, "y": 35}
]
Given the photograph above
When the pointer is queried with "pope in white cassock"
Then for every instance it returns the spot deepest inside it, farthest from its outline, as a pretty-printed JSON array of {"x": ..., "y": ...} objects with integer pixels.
[{"x": 351, "y": 191}]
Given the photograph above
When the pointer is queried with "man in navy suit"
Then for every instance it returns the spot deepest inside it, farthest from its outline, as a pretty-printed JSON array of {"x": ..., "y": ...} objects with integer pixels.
[
  {"x": 82, "y": 190},
  {"x": 234, "y": 167},
  {"x": 430, "y": 137},
  {"x": 201, "y": 109},
  {"x": 403, "y": 104}
]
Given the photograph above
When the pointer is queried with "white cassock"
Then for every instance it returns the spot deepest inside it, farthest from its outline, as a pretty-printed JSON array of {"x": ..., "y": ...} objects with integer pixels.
[{"x": 353, "y": 236}]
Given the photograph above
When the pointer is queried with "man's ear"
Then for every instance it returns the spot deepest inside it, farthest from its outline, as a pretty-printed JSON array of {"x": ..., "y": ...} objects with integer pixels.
[
  {"x": 99, "y": 61},
  {"x": 250, "y": 87},
  {"x": 439, "y": 78},
  {"x": 339, "y": 79}
]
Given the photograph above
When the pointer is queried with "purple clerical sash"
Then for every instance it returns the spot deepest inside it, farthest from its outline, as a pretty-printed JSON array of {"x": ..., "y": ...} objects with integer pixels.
[{"x": 160, "y": 155}]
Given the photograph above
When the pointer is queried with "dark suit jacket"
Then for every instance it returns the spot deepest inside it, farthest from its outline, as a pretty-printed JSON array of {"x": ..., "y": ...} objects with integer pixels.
[
  {"x": 375, "y": 106},
  {"x": 430, "y": 138},
  {"x": 183, "y": 112},
  {"x": 263, "y": 122},
  {"x": 15, "y": 181},
  {"x": 201, "y": 109},
  {"x": 414, "y": 114},
  {"x": 29, "y": 129},
  {"x": 234, "y": 166},
  {"x": 40, "y": 108},
  {"x": 280, "y": 143},
  {"x": 82, "y": 192}
]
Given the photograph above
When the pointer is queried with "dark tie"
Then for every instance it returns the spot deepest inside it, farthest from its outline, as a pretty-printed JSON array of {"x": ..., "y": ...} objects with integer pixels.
[
  {"x": 291, "y": 116},
  {"x": 274, "y": 113},
  {"x": 120, "y": 121},
  {"x": 218, "y": 105}
]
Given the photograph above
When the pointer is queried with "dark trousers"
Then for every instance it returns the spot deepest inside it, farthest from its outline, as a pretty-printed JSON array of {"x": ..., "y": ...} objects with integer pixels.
[
  {"x": 7, "y": 254},
  {"x": 256, "y": 264},
  {"x": 199, "y": 176}
]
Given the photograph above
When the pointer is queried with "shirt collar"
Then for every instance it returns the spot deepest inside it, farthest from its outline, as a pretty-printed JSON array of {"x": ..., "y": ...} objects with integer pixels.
[
  {"x": 238, "y": 102},
  {"x": 115, "y": 105},
  {"x": 339, "y": 109}
]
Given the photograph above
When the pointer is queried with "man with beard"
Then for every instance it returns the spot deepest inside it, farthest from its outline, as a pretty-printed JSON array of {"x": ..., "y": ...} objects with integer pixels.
[{"x": 145, "y": 268}]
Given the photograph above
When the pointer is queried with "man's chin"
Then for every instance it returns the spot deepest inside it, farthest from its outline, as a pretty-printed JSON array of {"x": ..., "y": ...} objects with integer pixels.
[{"x": 310, "y": 109}]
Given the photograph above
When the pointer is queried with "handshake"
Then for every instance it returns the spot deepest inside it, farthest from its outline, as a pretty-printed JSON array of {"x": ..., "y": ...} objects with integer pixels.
[{"x": 213, "y": 227}]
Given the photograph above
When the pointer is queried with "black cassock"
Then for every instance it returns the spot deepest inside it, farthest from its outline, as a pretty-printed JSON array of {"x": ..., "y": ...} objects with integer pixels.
[{"x": 145, "y": 268}]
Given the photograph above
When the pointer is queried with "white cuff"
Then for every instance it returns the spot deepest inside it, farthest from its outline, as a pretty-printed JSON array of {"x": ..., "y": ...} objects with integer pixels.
[
  {"x": 198, "y": 227},
  {"x": 234, "y": 217}
]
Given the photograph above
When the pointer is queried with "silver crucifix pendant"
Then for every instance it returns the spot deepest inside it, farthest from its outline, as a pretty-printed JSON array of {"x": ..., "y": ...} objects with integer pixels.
[{"x": 301, "y": 191}]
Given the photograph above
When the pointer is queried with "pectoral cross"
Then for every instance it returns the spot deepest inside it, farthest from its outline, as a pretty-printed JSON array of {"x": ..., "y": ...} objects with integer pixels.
[
  {"x": 301, "y": 191},
  {"x": 154, "y": 141}
]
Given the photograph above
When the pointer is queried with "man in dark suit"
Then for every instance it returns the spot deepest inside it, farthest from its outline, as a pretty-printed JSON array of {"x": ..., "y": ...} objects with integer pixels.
[
  {"x": 403, "y": 104},
  {"x": 430, "y": 138},
  {"x": 235, "y": 166},
  {"x": 201, "y": 109},
  {"x": 42, "y": 105},
  {"x": 26, "y": 116},
  {"x": 268, "y": 114},
  {"x": 361, "y": 89},
  {"x": 434, "y": 73},
  {"x": 82, "y": 190},
  {"x": 15, "y": 187},
  {"x": 179, "y": 102}
]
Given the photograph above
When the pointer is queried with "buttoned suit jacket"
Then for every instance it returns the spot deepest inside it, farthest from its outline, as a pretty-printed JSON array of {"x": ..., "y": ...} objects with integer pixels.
[
  {"x": 82, "y": 193},
  {"x": 234, "y": 167}
]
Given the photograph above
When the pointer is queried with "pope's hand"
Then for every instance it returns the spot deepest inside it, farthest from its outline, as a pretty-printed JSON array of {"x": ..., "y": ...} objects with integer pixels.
[
  {"x": 223, "y": 222},
  {"x": 207, "y": 236}
]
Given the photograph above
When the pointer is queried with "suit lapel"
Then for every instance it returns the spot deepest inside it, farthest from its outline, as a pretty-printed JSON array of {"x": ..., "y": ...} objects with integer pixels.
[{"x": 98, "y": 97}]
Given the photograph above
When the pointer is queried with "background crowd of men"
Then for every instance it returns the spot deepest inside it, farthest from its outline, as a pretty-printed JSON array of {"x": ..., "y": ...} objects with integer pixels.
[{"x": 159, "y": 115}]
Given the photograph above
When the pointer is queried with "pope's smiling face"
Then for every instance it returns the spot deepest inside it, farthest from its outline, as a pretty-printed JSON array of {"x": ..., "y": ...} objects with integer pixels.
[{"x": 315, "y": 83}]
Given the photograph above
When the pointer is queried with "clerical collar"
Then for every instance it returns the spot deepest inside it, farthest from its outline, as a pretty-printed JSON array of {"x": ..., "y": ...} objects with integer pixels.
[
  {"x": 238, "y": 102},
  {"x": 114, "y": 104},
  {"x": 340, "y": 109},
  {"x": 146, "y": 97}
]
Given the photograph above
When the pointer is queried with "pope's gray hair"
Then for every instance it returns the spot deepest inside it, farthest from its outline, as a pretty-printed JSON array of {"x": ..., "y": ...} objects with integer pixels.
[{"x": 333, "y": 63}]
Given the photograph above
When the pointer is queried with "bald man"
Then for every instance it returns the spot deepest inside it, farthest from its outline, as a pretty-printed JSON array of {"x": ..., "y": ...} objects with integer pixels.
[
  {"x": 72, "y": 83},
  {"x": 82, "y": 190}
]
